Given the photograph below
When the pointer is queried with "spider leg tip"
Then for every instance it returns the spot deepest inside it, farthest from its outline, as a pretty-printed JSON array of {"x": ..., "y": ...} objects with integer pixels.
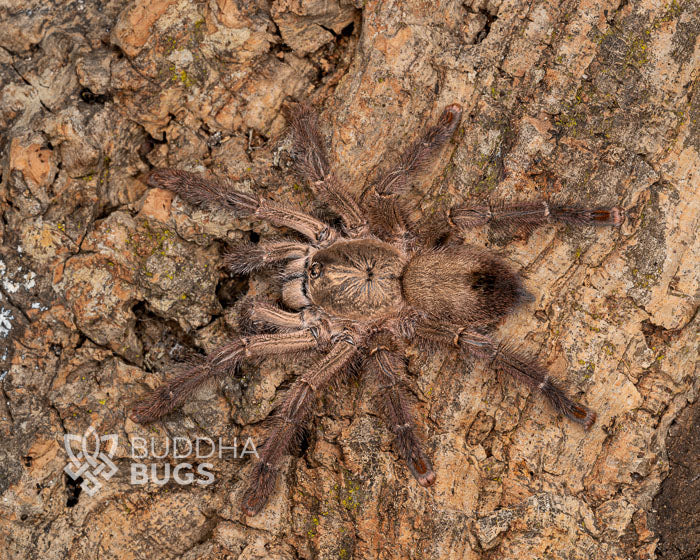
[
  {"x": 452, "y": 112},
  {"x": 249, "y": 512},
  {"x": 144, "y": 413},
  {"x": 589, "y": 420},
  {"x": 422, "y": 471},
  {"x": 584, "y": 416},
  {"x": 614, "y": 216},
  {"x": 250, "y": 507},
  {"x": 152, "y": 178},
  {"x": 136, "y": 416},
  {"x": 427, "y": 480},
  {"x": 162, "y": 178},
  {"x": 617, "y": 215}
]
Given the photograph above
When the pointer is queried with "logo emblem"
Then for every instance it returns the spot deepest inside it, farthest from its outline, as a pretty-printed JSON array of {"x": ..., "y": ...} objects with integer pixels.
[{"x": 90, "y": 463}]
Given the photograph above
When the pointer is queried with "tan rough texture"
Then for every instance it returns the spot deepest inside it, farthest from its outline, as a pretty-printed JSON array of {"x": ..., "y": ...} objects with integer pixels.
[{"x": 105, "y": 283}]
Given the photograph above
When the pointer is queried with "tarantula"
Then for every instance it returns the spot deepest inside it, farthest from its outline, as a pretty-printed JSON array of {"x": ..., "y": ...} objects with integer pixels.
[{"x": 359, "y": 291}]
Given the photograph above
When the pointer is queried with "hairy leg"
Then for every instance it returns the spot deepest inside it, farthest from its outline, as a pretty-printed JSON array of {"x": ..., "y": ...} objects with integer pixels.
[
  {"x": 222, "y": 361},
  {"x": 530, "y": 215},
  {"x": 311, "y": 162},
  {"x": 246, "y": 258},
  {"x": 387, "y": 368},
  {"x": 288, "y": 423},
  {"x": 388, "y": 215},
  {"x": 204, "y": 191},
  {"x": 257, "y": 315},
  {"x": 421, "y": 153},
  {"x": 383, "y": 200},
  {"x": 200, "y": 190},
  {"x": 517, "y": 364}
]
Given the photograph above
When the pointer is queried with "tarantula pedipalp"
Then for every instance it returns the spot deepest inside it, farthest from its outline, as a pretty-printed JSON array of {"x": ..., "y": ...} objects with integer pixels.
[{"x": 359, "y": 292}]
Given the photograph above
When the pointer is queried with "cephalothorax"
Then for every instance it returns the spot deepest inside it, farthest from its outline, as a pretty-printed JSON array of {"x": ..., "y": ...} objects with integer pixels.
[{"x": 359, "y": 292}]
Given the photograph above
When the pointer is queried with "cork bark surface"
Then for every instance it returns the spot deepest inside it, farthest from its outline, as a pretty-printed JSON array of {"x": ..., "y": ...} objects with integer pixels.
[{"x": 107, "y": 284}]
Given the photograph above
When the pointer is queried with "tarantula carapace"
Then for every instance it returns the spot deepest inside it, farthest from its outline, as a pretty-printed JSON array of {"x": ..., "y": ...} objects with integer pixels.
[{"x": 359, "y": 291}]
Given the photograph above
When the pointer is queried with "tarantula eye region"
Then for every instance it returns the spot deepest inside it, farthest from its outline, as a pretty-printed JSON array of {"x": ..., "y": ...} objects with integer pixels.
[{"x": 315, "y": 270}]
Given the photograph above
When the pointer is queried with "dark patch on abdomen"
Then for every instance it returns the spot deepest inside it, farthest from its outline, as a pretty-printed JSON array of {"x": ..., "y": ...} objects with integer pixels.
[{"x": 484, "y": 282}]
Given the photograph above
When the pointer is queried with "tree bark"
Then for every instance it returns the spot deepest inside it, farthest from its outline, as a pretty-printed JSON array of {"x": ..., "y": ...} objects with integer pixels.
[{"x": 107, "y": 284}]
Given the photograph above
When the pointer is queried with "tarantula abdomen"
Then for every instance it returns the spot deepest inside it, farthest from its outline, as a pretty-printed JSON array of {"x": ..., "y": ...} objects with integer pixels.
[{"x": 474, "y": 286}]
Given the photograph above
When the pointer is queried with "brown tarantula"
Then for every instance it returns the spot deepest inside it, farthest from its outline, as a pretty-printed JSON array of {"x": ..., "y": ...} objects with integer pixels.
[{"x": 359, "y": 291}]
